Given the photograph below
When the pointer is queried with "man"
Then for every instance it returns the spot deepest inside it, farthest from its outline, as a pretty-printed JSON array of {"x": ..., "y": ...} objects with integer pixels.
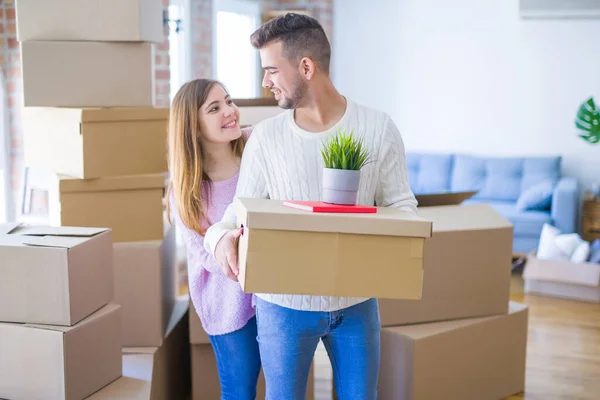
[{"x": 282, "y": 161}]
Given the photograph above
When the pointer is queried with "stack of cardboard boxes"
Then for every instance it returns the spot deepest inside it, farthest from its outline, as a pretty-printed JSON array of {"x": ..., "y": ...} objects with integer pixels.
[
  {"x": 60, "y": 335},
  {"x": 443, "y": 280},
  {"x": 92, "y": 127},
  {"x": 90, "y": 123}
]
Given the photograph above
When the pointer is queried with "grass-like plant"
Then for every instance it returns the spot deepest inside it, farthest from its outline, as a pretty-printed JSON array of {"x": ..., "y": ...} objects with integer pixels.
[{"x": 344, "y": 151}]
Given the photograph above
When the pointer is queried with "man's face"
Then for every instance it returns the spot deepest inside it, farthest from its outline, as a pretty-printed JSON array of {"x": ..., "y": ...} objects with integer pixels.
[{"x": 281, "y": 76}]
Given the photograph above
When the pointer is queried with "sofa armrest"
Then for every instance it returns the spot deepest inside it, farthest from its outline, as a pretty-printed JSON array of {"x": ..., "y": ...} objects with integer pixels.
[{"x": 565, "y": 205}]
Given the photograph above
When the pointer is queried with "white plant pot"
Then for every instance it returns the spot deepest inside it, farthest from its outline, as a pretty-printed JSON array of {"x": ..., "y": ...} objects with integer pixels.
[{"x": 340, "y": 186}]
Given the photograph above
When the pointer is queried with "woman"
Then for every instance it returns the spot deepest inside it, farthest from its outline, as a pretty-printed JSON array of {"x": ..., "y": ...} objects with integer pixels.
[{"x": 205, "y": 145}]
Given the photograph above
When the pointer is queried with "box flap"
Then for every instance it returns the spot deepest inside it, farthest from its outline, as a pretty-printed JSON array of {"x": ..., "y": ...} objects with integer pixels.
[
  {"x": 273, "y": 215},
  {"x": 134, "y": 384},
  {"x": 49, "y": 236},
  {"x": 468, "y": 217},
  {"x": 8, "y": 227},
  {"x": 585, "y": 274},
  {"x": 443, "y": 199},
  {"x": 130, "y": 182}
]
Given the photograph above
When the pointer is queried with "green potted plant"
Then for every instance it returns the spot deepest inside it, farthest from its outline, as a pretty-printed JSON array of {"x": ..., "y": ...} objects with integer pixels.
[
  {"x": 588, "y": 122},
  {"x": 344, "y": 156}
]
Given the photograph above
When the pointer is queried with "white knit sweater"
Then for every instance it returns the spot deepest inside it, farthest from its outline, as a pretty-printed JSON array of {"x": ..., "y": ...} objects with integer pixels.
[{"x": 283, "y": 162}]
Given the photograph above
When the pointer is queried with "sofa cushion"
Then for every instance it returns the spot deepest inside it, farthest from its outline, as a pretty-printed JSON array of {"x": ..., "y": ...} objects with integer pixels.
[
  {"x": 502, "y": 179},
  {"x": 526, "y": 223},
  {"x": 536, "y": 197},
  {"x": 429, "y": 172}
]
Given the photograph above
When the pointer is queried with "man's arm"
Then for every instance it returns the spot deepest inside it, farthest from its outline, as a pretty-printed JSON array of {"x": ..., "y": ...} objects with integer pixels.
[
  {"x": 393, "y": 189},
  {"x": 251, "y": 183}
]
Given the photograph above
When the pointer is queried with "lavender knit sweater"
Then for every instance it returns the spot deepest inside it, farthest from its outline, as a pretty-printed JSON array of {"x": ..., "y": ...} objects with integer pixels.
[{"x": 220, "y": 302}]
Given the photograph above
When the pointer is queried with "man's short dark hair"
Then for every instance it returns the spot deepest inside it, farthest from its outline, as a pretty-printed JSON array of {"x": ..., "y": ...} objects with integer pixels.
[{"x": 301, "y": 36}]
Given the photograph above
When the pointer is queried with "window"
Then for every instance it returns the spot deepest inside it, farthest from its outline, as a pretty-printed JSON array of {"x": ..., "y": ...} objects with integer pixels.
[{"x": 237, "y": 63}]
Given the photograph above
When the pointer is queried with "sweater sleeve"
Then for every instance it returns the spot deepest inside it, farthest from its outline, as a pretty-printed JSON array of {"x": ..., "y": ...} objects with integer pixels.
[
  {"x": 393, "y": 189},
  {"x": 251, "y": 184}
]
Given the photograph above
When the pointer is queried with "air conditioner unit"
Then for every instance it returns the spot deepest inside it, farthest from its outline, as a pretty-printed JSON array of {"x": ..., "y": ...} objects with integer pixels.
[{"x": 559, "y": 9}]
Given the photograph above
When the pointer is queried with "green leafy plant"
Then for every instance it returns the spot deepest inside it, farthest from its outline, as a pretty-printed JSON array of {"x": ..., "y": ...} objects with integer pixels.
[
  {"x": 344, "y": 151},
  {"x": 588, "y": 121}
]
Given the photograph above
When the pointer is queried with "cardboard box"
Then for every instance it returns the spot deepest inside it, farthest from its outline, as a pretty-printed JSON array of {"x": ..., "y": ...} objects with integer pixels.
[
  {"x": 370, "y": 255},
  {"x": 145, "y": 288},
  {"x": 443, "y": 198},
  {"x": 468, "y": 257},
  {"x": 564, "y": 279},
  {"x": 197, "y": 333},
  {"x": 205, "y": 377},
  {"x": 470, "y": 359},
  {"x": 91, "y": 143},
  {"x": 252, "y": 115},
  {"x": 104, "y": 21},
  {"x": 156, "y": 373},
  {"x": 132, "y": 206},
  {"x": 54, "y": 275},
  {"x": 41, "y": 362},
  {"x": 88, "y": 74}
]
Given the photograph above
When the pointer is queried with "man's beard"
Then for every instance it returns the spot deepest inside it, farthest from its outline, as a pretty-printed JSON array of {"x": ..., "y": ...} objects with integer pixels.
[{"x": 300, "y": 88}]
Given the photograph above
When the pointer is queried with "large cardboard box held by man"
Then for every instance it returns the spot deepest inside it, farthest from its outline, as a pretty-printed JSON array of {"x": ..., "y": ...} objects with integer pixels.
[
  {"x": 102, "y": 21},
  {"x": 156, "y": 373},
  {"x": 132, "y": 206},
  {"x": 563, "y": 279},
  {"x": 467, "y": 267},
  {"x": 40, "y": 362},
  {"x": 54, "y": 275},
  {"x": 145, "y": 288},
  {"x": 91, "y": 143},
  {"x": 290, "y": 251},
  {"x": 467, "y": 359},
  {"x": 87, "y": 74}
]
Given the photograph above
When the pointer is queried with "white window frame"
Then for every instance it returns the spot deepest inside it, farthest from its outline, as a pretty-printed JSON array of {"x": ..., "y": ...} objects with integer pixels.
[
  {"x": 246, "y": 7},
  {"x": 185, "y": 56},
  {"x": 7, "y": 211}
]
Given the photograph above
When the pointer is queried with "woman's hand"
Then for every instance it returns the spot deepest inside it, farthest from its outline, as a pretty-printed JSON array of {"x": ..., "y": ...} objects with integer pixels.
[{"x": 226, "y": 254}]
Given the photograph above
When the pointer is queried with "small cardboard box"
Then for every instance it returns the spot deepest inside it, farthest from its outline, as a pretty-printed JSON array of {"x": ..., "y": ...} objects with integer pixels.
[
  {"x": 289, "y": 251},
  {"x": 54, "y": 275},
  {"x": 197, "y": 333},
  {"x": 205, "y": 377},
  {"x": 470, "y": 359},
  {"x": 87, "y": 74},
  {"x": 102, "y": 21},
  {"x": 132, "y": 206},
  {"x": 145, "y": 288},
  {"x": 40, "y": 362},
  {"x": 91, "y": 143},
  {"x": 564, "y": 279},
  {"x": 468, "y": 256},
  {"x": 155, "y": 373}
]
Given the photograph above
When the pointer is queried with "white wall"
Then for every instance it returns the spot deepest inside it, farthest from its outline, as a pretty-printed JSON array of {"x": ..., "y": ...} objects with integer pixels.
[{"x": 470, "y": 76}]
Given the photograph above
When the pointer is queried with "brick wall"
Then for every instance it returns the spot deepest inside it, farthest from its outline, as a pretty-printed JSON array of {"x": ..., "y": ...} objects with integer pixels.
[
  {"x": 10, "y": 65},
  {"x": 201, "y": 32}
]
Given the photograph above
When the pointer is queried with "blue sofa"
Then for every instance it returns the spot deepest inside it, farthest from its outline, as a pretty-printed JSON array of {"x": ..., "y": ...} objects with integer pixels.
[{"x": 507, "y": 184}]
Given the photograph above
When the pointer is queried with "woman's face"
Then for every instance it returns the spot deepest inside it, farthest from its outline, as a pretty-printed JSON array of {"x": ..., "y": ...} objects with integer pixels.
[{"x": 219, "y": 117}]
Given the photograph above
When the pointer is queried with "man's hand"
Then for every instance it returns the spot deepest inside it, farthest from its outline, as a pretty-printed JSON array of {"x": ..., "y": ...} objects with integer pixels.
[{"x": 226, "y": 253}]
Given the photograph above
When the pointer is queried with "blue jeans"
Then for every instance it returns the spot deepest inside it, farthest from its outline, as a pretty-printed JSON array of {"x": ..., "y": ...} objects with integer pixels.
[
  {"x": 238, "y": 362},
  {"x": 288, "y": 339}
]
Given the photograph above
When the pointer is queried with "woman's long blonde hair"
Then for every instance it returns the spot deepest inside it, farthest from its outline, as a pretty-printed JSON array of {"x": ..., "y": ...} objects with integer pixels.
[{"x": 185, "y": 155}]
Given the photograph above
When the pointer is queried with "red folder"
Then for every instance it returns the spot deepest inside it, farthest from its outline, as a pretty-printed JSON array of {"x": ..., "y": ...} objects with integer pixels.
[{"x": 321, "y": 207}]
